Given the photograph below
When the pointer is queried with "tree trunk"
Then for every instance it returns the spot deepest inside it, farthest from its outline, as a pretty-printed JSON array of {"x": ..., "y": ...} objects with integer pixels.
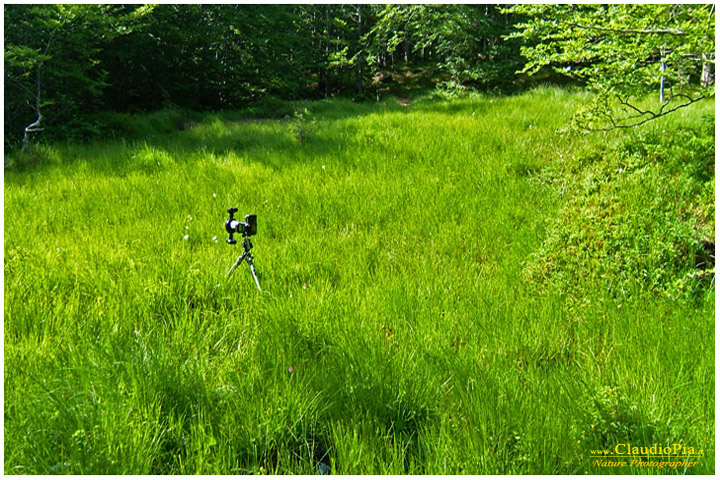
[
  {"x": 34, "y": 126},
  {"x": 662, "y": 75},
  {"x": 360, "y": 48},
  {"x": 708, "y": 71},
  {"x": 407, "y": 45},
  {"x": 327, "y": 51}
]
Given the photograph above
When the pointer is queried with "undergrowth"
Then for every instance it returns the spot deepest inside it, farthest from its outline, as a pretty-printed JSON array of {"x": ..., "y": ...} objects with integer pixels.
[{"x": 638, "y": 215}]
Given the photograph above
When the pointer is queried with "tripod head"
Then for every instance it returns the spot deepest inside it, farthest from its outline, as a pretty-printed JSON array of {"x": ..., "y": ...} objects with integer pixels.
[{"x": 246, "y": 228}]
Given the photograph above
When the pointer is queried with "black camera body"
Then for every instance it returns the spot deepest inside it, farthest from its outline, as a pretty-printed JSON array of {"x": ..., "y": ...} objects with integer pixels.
[{"x": 247, "y": 228}]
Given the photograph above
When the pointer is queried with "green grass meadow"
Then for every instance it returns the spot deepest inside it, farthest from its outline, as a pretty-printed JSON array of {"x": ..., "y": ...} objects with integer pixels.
[{"x": 452, "y": 287}]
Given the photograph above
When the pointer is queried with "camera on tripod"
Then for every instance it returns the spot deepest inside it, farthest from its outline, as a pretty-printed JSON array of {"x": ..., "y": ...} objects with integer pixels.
[{"x": 247, "y": 228}]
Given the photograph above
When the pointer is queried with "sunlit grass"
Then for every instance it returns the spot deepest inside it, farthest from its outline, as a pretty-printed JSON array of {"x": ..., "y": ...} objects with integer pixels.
[{"x": 392, "y": 246}]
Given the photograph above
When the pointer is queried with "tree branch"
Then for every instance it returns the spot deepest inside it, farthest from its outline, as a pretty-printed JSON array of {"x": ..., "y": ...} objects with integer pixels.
[
  {"x": 615, "y": 124},
  {"x": 20, "y": 85}
]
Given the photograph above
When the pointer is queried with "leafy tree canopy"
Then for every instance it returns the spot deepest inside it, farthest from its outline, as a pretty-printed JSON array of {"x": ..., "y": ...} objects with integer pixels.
[{"x": 624, "y": 52}]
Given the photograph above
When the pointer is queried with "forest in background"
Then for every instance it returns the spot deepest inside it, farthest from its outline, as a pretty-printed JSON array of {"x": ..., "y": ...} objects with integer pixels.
[
  {"x": 64, "y": 63},
  {"x": 131, "y": 58}
]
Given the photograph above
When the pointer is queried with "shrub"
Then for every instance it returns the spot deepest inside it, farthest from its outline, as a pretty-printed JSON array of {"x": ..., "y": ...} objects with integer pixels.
[{"x": 636, "y": 217}]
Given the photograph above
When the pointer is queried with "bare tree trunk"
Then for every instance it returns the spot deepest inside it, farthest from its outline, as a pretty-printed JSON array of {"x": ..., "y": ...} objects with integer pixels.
[
  {"x": 406, "y": 40},
  {"x": 360, "y": 47},
  {"x": 407, "y": 46},
  {"x": 708, "y": 71},
  {"x": 34, "y": 126},
  {"x": 662, "y": 75},
  {"x": 327, "y": 50}
]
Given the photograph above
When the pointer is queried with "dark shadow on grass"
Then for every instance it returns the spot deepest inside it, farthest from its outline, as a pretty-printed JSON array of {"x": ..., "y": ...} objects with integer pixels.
[
  {"x": 216, "y": 135},
  {"x": 372, "y": 395},
  {"x": 469, "y": 106}
]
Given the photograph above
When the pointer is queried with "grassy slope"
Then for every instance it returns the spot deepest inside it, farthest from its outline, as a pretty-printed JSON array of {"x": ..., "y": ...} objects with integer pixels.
[{"x": 393, "y": 248}]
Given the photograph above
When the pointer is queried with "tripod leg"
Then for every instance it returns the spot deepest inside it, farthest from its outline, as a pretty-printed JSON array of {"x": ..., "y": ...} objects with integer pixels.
[
  {"x": 252, "y": 272},
  {"x": 235, "y": 265}
]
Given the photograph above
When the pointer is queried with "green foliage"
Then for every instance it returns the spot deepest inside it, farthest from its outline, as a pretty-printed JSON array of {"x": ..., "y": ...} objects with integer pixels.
[
  {"x": 207, "y": 57},
  {"x": 52, "y": 62},
  {"x": 463, "y": 42},
  {"x": 391, "y": 246},
  {"x": 623, "y": 52}
]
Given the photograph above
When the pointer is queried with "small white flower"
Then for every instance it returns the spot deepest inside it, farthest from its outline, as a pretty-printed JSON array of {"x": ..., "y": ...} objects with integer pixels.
[
  {"x": 323, "y": 167},
  {"x": 186, "y": 237},
  {"x": 187, "y": 227},
  {"x": 215, "y": 239},
  {"x": 213, "y": 195}
]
